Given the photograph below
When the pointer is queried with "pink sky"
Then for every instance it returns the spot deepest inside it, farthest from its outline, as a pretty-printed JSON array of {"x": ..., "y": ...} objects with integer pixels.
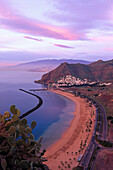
[{"x": 77, "y": 29}]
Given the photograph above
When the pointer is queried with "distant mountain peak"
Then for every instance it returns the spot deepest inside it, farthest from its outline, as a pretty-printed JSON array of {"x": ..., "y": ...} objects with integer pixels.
[
  {"x": 65, "y": 63},
  {"x": 99, "y": 61}
]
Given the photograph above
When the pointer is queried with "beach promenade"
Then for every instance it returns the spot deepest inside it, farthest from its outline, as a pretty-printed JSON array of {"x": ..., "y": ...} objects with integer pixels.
[{"x": 64, "y": 153}]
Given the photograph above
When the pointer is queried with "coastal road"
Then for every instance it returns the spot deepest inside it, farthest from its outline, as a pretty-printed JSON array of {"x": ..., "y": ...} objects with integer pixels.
[
  {"x": 104, "y": 121},
  {"x": 105, "y": 124},
  {"x": 92, "y": 145},
  {"x": 34, "y": 108},
  {"x": 88, "y": 154}
]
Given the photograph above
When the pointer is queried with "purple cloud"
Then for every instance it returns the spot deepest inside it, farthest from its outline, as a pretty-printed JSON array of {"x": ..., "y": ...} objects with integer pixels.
[
  {"x": 31, "y": 38},
  {"x": 62, "y": 46},
  {"x": 32, "y": 27},
  {"x": 10, "y": 20},
  {"x": 75, "y": 20},
  {"x": 82, "y": 16}
]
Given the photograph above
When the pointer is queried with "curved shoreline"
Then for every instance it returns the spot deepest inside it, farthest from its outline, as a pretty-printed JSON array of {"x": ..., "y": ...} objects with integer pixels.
[
  {"x": 34, "y": 108},
  {"x": 72, "y": 137},
  {"x": 69, "y": 129}
]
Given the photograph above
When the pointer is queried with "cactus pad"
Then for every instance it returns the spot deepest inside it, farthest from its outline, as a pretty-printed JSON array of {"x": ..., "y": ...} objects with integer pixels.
[
  {"x": 0, "y": 117},
  {"x": 14, "y": 111},
  {"x": 23, "y": 122},
  {"x": 11, "y": 140},
  {"x": 14, "y": 118},
  {"x": 7, "y": 114},
  {"x": 12, "y": 129},
  {"x": 33, "y": 124},
  {"x": 24, "y": 164},
  {"x": 28, "y": 130}
]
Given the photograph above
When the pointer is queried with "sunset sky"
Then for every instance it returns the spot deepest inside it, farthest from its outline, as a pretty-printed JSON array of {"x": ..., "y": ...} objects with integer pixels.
[{"x": 42, "y": 29}]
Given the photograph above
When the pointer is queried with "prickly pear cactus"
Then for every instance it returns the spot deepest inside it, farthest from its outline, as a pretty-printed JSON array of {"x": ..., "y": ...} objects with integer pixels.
[{"x": 18, "y": 150}]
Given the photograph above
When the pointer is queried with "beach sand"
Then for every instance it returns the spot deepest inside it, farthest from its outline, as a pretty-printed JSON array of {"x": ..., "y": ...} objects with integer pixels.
[{"x": 63, "y": 154}]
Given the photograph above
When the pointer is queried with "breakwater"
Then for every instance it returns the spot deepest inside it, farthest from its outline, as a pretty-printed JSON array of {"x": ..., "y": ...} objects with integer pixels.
[
  {"x": 38, "y": 89},
  {"x": 34, "y": 108}
]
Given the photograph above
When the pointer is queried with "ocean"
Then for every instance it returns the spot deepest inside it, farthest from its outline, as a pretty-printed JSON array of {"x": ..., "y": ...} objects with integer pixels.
[{"x": 52, "y": 118}]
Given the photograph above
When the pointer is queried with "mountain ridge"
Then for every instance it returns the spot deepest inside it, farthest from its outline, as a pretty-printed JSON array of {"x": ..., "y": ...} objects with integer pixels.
[
  {"x": 43, "y": 65},
  {"x": 96, "y": 71}
]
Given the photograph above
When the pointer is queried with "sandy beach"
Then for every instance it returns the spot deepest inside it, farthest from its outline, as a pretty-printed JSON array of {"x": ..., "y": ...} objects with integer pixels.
[{"x": 63, "y": 154}]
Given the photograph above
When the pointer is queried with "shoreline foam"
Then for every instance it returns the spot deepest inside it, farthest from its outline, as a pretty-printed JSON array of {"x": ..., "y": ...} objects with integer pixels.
[{"x": 62, "y": 152}]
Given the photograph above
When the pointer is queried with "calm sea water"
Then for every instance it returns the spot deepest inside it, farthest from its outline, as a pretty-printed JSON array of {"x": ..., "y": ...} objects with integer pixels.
[{"x": 52, "y": 118}]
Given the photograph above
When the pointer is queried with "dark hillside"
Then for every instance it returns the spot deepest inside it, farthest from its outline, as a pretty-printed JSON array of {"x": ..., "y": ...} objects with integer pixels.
[{"x": 100, "y": 70}]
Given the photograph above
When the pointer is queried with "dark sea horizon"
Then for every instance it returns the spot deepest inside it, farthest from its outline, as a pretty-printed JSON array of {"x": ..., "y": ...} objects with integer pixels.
[{"x": 52, "y": 118}]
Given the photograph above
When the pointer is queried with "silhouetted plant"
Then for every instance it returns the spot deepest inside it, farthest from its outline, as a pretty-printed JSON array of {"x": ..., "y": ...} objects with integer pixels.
[
  {"x": 69, "y": 166},
  {"x": 79, "y": 151},
  {"x": 62, "y": 163},
  {"x": 59, "y": 167},
  {"x": 18, "y": 150}
]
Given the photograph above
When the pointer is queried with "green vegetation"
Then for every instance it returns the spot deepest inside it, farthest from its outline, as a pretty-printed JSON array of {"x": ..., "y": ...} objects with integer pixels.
[
  {"x": 109, "y": 117},
  {"x": 112, "y": 121},
  {"x": 104, "y": 143},
  {"x": 18, "y": 150},
  {"x": 78, "y": 168},
  {"x": 104, "y": 97}
]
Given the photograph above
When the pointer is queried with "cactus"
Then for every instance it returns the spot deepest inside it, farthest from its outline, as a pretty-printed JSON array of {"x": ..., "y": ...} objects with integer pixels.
[
  {"x": 7, "y": 114},
  {"x": 11, "y": 140},
  {"x": 18, "y": 150},
  {"x": 14, "y": 118},
  {"x": 3, "y": 164},
  {"x": 0, "y": 117},
  {"x": 14, "y": 111},
  {"x": 23, "y": 122},
  {"x": 12, "y": 129},
  {"x": 33, "y": 124},
  {"x": 24, "y": 164},
  {"x": 31, "y": 137},
  {"x": 28, "y": 130}
]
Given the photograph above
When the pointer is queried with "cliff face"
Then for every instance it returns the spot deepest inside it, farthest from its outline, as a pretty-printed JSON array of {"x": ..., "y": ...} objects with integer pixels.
[{"x": 100, "y": 70}]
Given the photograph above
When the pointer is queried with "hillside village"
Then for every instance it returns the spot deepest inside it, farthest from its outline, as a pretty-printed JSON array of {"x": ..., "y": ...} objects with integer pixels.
[
  {"x": 70, "y": 80},
  {"x": 79, "y": 74}
]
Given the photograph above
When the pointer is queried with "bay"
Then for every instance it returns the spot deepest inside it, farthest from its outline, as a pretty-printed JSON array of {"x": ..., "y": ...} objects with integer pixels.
[{"x": 52, "y": 118}]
